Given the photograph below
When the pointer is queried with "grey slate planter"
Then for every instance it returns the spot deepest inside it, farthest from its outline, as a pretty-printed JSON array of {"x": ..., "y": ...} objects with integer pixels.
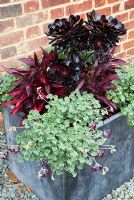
[{"x": 87, "y": 185}]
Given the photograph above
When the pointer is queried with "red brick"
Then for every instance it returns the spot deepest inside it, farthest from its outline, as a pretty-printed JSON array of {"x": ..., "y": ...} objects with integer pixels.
[
  {"x": 131, "y": 34},
  {"x": 32, "y": 45},
  {"x": 11, "y": 38},
  {"x": 11, "y": 62},
  {"x": 8, "y": 1},
  {"x": 45, "y": 27},
  {"x": 122, "y": 17},
  {"x": 122, "y": 55},
  {"x": 4, "y": 1},
  {"x": 23, "y": 21},
  {"x": 104, "y": 11},
  {"x": 33, "y": 31},
  {"x": 83, "y": 16},
  {"x": 118, "y": 49},
  {"x": 116, "y": 8},
  {"x": 132, "y": 14},
  {"x": 129, "y": 4},
  {"x": 123, "y": 37},
  {"x": 50, "y": 3},
  {"x": 8, "y": 52},
  {"x": 57, "y": 13},
  {"x": 10, "y": 11},
  {"x": 129, "y": 25},
  {"x": 76, "y": 8},
  {"x": 31, "y": 19},
  {"x": 128, "y": 45},
  {"x": 112, "y": 1},
  {"x": 100, "y": 3},
  {"x": 130, "y": 51},
  {"x": 41, "y": 16},
  {"x": 38, "y": 53},
  {"x": 31, "y": 5},
  {"x": 6, "y": 25}
]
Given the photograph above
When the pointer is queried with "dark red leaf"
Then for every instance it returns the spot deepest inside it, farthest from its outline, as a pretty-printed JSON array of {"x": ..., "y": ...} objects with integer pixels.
[
  {"x": 47, "y": 87},
  {"x": 36, "y": 61},
  {"x": 28, "y": 61},
  {"x": 117, "y": 62},
  {"x": 42, "y": 79},
  {"x": 81, "y": 83},
  {"x": 28, "y": 90},
  {"x": 15, "y": 92},
  {"x": 41, "y": 106},
  {"x": 21, "y": 100},
  {"x": 16, "y": 109},
  {"x": 107, "y": 102},
  {"x": 108, "y": 79},
  {"x": 60, "y": 92},
  {"x": 56, "y": 85}
]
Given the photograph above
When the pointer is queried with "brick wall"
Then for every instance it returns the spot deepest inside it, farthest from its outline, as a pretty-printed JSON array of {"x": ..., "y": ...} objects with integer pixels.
[{"x": 23, "y": 23}]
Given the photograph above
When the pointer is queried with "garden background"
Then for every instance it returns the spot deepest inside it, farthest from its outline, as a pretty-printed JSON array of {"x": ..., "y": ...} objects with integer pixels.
[{"x": 23, "y": 23}]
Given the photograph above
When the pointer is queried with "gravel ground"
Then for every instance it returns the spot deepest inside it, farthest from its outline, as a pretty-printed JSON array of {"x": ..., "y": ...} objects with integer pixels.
[
  {"x": 11, "y": 191},
  {"x": 124, "y": 192}
]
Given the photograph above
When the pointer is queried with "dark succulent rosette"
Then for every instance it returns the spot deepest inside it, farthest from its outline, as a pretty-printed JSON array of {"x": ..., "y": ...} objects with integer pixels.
[
  {"x": 62, "y": 26},
  {"x": 104, "y": 31},
  {"x": 68, "y": 33}
]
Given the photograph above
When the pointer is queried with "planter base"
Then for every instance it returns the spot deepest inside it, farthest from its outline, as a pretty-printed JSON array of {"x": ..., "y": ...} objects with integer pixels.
[{"x": 87, "y": 185}]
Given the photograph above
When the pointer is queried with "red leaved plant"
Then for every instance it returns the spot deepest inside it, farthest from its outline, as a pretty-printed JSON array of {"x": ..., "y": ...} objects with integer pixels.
[
  {"x": 98, "y": 80},
  {"x": 51, "y": 75},
  {"x": 34, "y": 83}
]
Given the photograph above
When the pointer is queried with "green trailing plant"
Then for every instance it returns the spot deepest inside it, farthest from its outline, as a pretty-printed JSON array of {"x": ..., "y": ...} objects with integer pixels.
[
  {"x": 123, "y": 92},
  {"x": 6, "y": 85},
  {"x": 64, "y": 134}
]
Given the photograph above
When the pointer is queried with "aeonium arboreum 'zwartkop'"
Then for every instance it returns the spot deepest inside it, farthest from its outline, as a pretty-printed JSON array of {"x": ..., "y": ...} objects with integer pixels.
[
  {"x": 104, "y": 31},
  {"x": 98, "y": 33}
]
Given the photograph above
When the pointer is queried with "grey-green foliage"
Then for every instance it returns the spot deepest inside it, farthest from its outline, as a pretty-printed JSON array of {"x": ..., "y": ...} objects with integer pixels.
[
  {"x": 63, "y": 133},
  {"x": 123, "y": 94},
  {"x": 6, "y": 85}
]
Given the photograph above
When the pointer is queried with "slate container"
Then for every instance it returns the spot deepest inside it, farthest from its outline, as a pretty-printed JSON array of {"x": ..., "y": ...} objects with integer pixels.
[{"x": 87, "y": 185}]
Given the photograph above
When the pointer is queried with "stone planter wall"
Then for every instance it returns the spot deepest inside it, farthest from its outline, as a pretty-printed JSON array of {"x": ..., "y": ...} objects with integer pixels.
[{"x": 87, "y": 185}]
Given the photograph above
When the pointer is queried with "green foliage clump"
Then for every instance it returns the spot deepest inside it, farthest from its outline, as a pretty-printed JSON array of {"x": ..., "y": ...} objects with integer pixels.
[
  {"x": 6, "y": 85},
  {"x": 123, "y": 94},
  {"x": 64, "y": 134}
]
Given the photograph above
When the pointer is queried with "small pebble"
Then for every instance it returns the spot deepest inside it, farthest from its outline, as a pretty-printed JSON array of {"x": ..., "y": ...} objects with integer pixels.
[
  {"x": 8, "y": 190},
  {"x": 124, "y": 192}
]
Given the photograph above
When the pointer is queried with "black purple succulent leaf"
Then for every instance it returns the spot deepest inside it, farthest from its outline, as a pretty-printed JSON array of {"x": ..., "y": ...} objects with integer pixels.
[
  {"x": 68, "y": 34},
  {"x": 104, "y": 31},
  {"x": 62, "y": 26}
]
